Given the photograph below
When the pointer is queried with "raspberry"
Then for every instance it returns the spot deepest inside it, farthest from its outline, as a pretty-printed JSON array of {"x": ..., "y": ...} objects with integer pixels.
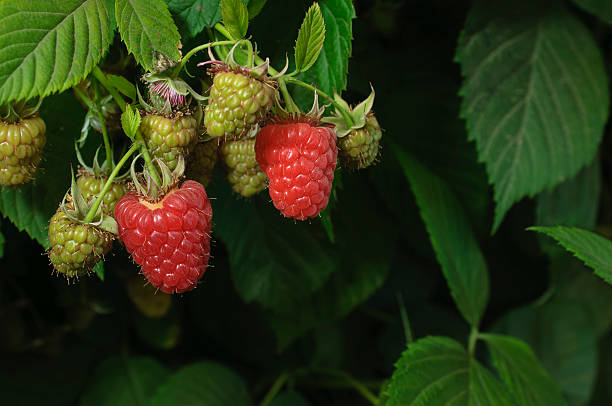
[
  {"x": 166, "y": 138},
  {"x": 359, "y": 148},
  {"x": 170, "y": 238},
  {"x": 145, "y": 297},
  {"x": 76, "y": 247},
  {"x": 21, "y": 145},
  {"x": 237, "y": 102},
  {"x": 299, "y": 159},
  {"x": 92, "y": 185},
  {"x": 202, "y": 162},
  {"x": 243, "y": 171}
]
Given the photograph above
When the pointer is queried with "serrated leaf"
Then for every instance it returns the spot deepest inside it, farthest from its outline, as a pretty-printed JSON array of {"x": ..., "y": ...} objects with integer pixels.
[
  {"x": 594, "y": 250},
  {"x": 126, "y": 87},
  {"x": 254, "y": 7},
  {"x": 310, "y": 39},
  {"x": 193, "y": 16},
  {"x": 130, "y": 121},
  {"x": 147, "y": 29},
  {"x": 31, "y": 206},
  {"x": 205, "y": 384},
  {"x": 522, "y": 373},
  {"x": 124, "y": 381},
  {"x": 49, "y": 46},
  {"x": 452, "y": 238},
  {"x": 535, "y": 95},
  {"x": 235, "y": 17},
  {"x": 599, "y": 8},
  {"x": 437, "y": 371},
  {"x": 330, "y": 70}
]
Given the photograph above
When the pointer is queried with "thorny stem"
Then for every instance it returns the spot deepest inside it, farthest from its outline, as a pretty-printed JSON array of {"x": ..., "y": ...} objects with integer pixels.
[
  {"x": 276, "y": 387},
  {"x": 93, "y": 210}
]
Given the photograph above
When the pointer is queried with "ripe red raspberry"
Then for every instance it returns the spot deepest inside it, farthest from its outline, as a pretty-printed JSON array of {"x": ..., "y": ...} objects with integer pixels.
[
  {"x": 170, "y": 238},
  {"x": 299, "y": 160}
]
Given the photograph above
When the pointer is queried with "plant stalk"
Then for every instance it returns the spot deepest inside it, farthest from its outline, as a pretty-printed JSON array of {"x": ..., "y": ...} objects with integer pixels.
[{"x": 276, "y": 387}]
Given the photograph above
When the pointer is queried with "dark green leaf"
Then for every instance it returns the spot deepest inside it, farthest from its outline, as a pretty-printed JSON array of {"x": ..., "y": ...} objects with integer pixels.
[
  {"x": 437, "y": 371},
  {"x": 147, "y": 29},
  {"x": 592, "y": 249},
  {"x": 310, "y": 39},
  {"x": 193, "y": 16},
  {"x": 522, "y": 373},
  {"x": 289, "y": 398},
  {"x": 124, "y": 381},
  {"x": 535, "y": 95},
  {"x": 452, "y": 238},
  {"x": 255, "y": 7},
  {"x": 599, "y": 8},
  {"x": 202, "y": 384},
  {"x": 123, "y": 85},
  {"x": 235, "y": 17},
  {"x": 48, "y": 46}
]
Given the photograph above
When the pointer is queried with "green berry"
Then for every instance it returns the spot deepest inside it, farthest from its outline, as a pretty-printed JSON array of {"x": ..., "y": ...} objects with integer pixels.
[
  {"x": 21, "y": 145},
  {"x": 202, "y": 162},
  {"x": 237, "y": 102},
  {"x": 243, "y": 171},
  {"x": 76, "y": 247},
  {"x": 167, "y": 138},
  {"x": 91, "y": 186},
  {"x": 359, "y": 148}
]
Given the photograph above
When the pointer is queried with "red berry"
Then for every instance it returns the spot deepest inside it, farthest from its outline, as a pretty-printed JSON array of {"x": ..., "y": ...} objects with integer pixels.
[
  {"x": 299, "y": 160},
  {"x": 170, "y": 238}
]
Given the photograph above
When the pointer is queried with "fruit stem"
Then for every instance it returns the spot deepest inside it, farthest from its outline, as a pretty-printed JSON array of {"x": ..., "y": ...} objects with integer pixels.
[
  {"x": 192, "y": 52},
  {"x": 345, "y": 114},
  {"x": 276, "y": 387},
  {"x": 147, "y": 157},
  {"x": 249, "y": 54},
  {"x": 223, "y": 31},
  {"x": 99, "y": 75},
  {"x": 94, "y": 208},
  {"x": 291, "y": 106},
  {"x": 91, "y": 105}
]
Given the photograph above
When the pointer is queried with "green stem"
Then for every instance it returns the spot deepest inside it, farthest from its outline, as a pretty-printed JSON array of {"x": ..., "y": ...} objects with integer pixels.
[
  {"x": 354, "y": 383},
  {"x": 276, "y": 387},
  {"x": 93, "y": 210},
  {"x": 291, "y": 106},
  {"x": 472, "y": 341},
  {"x": 197, "y": 49},
  {"x": 91, "y": 105},
  {"x": 147, "y": 157},
  {"x": 99, "y": 75},
  {"x": 223, "y": 31},
  {"x": 249, "y": 54},
  {"x": 345, "y": 114}
]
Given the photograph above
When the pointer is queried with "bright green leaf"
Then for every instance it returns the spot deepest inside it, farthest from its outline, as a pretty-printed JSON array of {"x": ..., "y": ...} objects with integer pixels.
[
  {"x": 130, "y": 121},
  {"x": 147, "y": 29},
  {"x": 235, "y": 17},
  {"x": 123, "y": 85},
  {"x": 452, "y": 238},
  {"x": 535, "y": 95},
  {"x": 255, "y": 7},
  {"x": 592, "y": 249},
  {"x": 522, "y": 373},
  {"x": 202, "y": 384},
  {"x": 437, "y": 371},
  {"x": 49, "y": 46},
  {"x": 124, "y": 381},
  {"x": 599, "y": 8},
  {"x": 193, "y": 16},
  {"x": 310, "y": 39}
]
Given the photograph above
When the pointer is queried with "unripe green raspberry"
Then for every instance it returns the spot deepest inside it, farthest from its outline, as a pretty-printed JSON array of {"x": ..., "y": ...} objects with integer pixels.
[
  {"x": 21, "y": 146},
  {"x": 202, "y": 162},
  {"x": 237, "y": 102},
  {"x": 243, "y": 171},
  {"x": 359, "y": 148},
  {"x": 91, "y": 186},
  {"x": 76, "y": 247},
  {"x": 167, "y": 138}
]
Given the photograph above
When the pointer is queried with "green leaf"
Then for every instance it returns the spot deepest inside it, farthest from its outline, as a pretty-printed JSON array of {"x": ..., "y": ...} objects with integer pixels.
[
  {"x": 522, "y": 373},
  {"x": 99, "y": 270},
  {"x": 124, "y": 381},
  {"x": 130, "y": 121},
  {"x": 274, "y": 261},
  {"x": 255, "y": 7},
  {"x": 331, "y": 68},
  {"x": 48, "y": 46},
  {"x": 594, "y": 250},
  {"x": 123, "y": 85},
  {"x": 205, "y": 384},
  {"x": 147, "y": 29},
  {"x": 437, "y": 371},
  {"x": 31, "y": 206},
  {"x": 452, "y": 238},
  {"x": 235, "y": 17},
  {"x": 599, "y": 8},
  {"x": 193, "y": 16},
  {"x": 535, "y": 95},
  {"x": 289, "y": 398},
  {"x": 310, "y": 39}
]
